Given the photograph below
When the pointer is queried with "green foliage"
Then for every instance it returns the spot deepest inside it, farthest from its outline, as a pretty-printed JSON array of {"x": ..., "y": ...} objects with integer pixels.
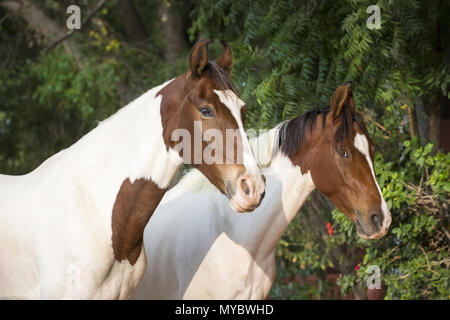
[
  {"x": 414, "y": 255},
  {"x": 91, "y": 89},
  {"x": 301, "y": 256},
  {"x": 297, "y": 52},
  {"x": 49, "y": 101}
]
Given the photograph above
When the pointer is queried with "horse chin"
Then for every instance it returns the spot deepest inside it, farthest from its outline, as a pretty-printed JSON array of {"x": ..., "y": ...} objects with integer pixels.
[
  {"x": 374, "y": 236},
  {"x": 234, "y": 204}
]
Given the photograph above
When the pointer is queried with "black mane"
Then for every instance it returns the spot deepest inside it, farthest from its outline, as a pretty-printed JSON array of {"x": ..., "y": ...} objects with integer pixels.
[
  {"x": 292, "y": 132},
  {"x": 222, "y": 79}
]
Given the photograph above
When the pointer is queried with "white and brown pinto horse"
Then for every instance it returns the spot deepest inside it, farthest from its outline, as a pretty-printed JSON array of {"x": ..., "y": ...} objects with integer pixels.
[
  {"x": 199, "y": 255},
  {"x": 73, "y": 227}
]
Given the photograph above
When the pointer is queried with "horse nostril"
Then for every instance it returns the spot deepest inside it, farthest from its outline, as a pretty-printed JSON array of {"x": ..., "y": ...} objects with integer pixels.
[
  {"x": 377, "y": 220},
  {"x": 245, "y": 187}
]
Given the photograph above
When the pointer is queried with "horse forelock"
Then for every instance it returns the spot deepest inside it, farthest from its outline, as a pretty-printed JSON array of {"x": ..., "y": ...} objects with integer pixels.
[{"x": 221, "y": 78}]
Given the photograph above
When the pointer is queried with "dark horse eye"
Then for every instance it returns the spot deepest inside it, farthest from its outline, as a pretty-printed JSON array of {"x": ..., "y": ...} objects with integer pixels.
[
  {"x": 207, "y": 112},
  {"x": 343, "y": 153}
]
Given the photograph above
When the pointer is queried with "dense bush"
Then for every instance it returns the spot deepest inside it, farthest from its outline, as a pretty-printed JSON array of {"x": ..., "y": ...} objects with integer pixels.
[{"x": 414, "y": 256}]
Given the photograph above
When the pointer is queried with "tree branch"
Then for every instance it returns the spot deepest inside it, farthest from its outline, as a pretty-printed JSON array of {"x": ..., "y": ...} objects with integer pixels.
[
  {"x": 72, "y": 32},
  {"x": 379, "y": 125},
  {"x": 41, "y": 24}
]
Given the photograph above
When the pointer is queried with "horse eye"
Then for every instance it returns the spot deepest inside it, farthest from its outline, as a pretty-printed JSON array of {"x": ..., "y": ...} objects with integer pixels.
[
  {"x": 343, "y": 153},
  {"x": 207, "y": 112}
]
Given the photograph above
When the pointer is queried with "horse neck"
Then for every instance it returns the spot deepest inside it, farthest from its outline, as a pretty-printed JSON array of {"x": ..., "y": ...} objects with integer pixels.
[
  {"x": 286, "y": 191},
  {"x": 128, "y": 145}
]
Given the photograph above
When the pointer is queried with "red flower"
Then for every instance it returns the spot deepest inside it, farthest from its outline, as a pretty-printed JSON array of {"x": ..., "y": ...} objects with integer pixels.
[
  {"x": 330, "y": 229},
  {"x": 357, "y": 267}
]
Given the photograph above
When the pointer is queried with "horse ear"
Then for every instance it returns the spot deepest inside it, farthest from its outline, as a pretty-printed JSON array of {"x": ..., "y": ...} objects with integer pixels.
[
  {"x": 342, "y": 96},
  {"x": 225, "y": 61},
  {"x": 199, "y": 57}
]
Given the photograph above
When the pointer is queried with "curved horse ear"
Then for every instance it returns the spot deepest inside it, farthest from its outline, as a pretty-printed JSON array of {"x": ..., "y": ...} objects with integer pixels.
[
  {"x": 225, "y": 61},
  {"x": 342, "y": 96},
  {"x": 199, "y": 57}
]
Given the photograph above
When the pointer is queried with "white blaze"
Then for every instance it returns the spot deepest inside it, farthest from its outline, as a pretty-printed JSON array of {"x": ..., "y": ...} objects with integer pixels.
[
  {"x": 234, "y": 104},
  {"x": 362, "y": 144}
]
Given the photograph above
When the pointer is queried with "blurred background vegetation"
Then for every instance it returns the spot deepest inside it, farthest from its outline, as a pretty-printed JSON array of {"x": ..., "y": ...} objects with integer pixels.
[{"x": 289, "y": 57}]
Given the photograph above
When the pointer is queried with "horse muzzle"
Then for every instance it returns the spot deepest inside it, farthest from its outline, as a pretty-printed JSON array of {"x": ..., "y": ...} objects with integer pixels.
[
  {"x": 247, "y": 193},
  {"x": 374, "y": 225}
]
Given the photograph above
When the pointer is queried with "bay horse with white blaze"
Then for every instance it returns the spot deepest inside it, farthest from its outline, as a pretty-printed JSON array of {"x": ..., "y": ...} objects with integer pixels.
[
  {"x": 73, "y": 228},
  {"x": 199, "y": 255}
]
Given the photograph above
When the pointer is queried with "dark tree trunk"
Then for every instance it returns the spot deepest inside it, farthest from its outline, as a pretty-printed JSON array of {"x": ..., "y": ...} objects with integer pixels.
[
  {"x": 435, "y": 122},
  {"x": 132, "y": 21},
  {"x": 173, "y": 31},
  {"x": 444, "y": 141},
  {"x": 421, "y": 116},
  {"x": 442, "y": 47},
  {"x": 412, "y": 121}
]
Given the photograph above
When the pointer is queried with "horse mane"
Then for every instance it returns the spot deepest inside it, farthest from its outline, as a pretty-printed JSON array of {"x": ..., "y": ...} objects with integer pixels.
[
  {"x": 221, "y": 78},
  {"x": 293, "y": 132}
]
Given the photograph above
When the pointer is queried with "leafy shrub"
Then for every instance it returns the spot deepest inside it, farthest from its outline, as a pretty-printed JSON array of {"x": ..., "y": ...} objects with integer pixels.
[{"x": 414, "y": 255}]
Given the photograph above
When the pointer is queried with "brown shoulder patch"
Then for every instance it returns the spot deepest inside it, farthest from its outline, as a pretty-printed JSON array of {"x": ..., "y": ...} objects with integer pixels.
[
  {"x": 171, "y": 96},
  {"x": 134, "y": 205}
]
